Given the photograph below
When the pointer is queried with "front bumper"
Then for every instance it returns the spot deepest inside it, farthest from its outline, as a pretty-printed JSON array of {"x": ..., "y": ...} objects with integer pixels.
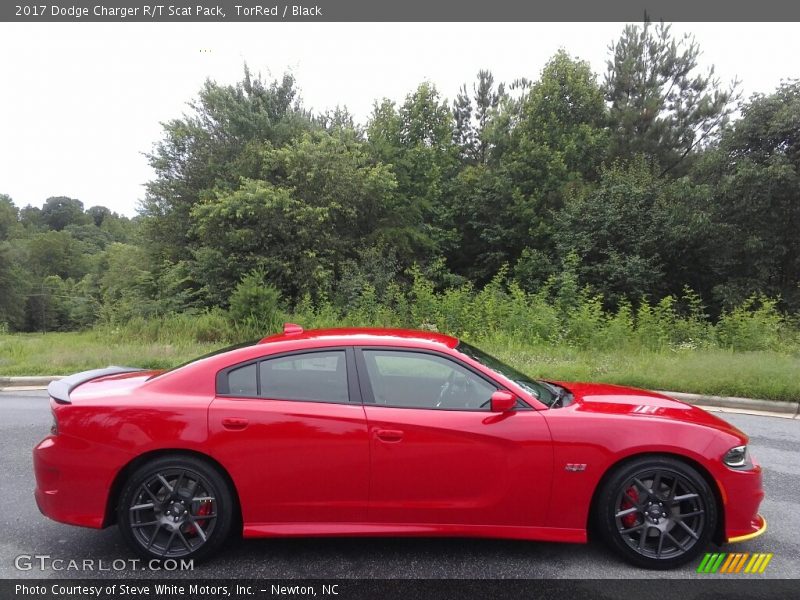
[
  {"x": 742, "y": 494},
  {"x": 759, "y": 526}
]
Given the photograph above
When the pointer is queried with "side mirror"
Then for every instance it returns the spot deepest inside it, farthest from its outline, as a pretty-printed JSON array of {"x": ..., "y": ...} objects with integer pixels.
[{"x": 503, "y": 401}]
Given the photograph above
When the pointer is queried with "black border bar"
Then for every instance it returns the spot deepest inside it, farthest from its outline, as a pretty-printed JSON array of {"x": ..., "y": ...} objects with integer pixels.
[
  {"x": 703, "y": 588},
  {"x": 266, "y": 11}
]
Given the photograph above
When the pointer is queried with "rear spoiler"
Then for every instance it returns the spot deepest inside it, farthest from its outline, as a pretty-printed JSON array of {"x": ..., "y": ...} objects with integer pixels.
[{"x": 60, "y": 389}]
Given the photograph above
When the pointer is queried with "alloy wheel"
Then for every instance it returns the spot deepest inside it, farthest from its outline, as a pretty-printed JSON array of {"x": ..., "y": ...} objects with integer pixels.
[{"x": 660, "y": 514}]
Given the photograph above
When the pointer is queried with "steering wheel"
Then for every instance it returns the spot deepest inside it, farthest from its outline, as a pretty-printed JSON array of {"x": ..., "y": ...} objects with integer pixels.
[{"x": 448, "y": 383}]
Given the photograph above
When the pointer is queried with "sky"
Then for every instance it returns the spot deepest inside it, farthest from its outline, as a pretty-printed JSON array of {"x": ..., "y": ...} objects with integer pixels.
[{"x": 82, "y": 102}]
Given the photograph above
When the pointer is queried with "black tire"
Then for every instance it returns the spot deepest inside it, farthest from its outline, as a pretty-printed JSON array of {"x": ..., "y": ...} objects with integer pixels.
[
  {"x": 656, "y": 512},
  {"x": 177, "y": 507}
]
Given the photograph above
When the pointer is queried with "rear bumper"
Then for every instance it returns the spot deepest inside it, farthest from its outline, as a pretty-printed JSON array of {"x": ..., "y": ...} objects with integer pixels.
[{"x": 71, "y": 483}]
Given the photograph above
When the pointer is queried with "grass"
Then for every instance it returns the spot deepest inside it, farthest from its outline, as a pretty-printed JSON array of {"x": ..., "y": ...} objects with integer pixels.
[
  {"x": 763, "y": 374},
  {"x": 64, "y": 353}
]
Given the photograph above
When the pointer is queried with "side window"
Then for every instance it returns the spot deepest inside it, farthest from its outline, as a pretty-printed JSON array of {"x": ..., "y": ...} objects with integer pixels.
[
  {"x": 243, "y": 382},
  {"x": 419, "y": 380},
  {"x": 315, "y": 376}
]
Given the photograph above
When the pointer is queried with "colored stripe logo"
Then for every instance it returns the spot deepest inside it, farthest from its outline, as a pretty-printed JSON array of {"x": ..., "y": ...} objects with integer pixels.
[{"x": 734, "y": 562}]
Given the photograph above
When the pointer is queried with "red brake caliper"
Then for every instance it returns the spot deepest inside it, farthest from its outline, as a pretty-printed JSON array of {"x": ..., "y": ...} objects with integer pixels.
[
  {"x": 202, "y": 510},
  {"x": 631, "y": 519}
]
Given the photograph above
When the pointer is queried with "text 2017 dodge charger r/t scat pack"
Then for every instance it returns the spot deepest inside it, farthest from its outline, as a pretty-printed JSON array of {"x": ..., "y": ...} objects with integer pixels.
[{"x": 388, "y": 432}]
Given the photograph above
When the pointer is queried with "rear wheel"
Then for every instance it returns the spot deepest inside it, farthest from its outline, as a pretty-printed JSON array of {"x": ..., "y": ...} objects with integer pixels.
[
  {"x": 657, "y": 512},
  {"x": 175, "y": 507}
]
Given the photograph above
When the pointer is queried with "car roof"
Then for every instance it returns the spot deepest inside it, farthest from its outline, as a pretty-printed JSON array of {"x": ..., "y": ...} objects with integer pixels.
[
  {"x": 294, "y": 338},
  {"x": 361, "y": 335}
]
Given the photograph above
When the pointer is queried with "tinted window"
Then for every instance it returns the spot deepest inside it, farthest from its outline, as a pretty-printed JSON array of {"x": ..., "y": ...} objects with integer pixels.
[
  {"x": 537, "y": 389},
  {"x": 417, "y": 380},
  {"x": 316, "y": 376},
  {"x": 242, "y": 381}
]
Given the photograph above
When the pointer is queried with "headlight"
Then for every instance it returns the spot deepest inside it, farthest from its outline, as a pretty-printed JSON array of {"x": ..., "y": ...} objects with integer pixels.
[{"x": 738, "y": 458}]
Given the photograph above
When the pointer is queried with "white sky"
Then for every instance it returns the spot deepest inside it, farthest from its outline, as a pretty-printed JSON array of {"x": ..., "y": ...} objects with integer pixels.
[{"x": 80, "y": 102}]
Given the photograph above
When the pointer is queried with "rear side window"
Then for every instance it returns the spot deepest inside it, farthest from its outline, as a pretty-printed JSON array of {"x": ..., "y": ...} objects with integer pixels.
[
  {"x": 243, "y": 381},
  {"x": 306, "y": 377},
  {"x": 315, "y": 377}
]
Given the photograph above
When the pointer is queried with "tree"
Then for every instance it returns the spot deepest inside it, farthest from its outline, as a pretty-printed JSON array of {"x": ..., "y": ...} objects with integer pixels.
[
  {"x": 57, "y": 304},
  {"x": 98, "y": 214},
  {"x": 211, "y": 148},
  {"x": 11, "y": 294},
  {"x": 339, "y": 119},
  {"x": 636, "y": 236},
  {"x": 471, "y": 126},
  {"x": 660, "y": 106},
  {"x": 329, "y": 200},
  {"x": 60, "y": 211},
  {"x": 126, "y": 284},
  {"x": 9, "y": 215},
  {"x": 259, "y": 226},
  {"x": 481, "y": 214},
  {"x": 30, "y": 217},
  {"x": 756, "y": 177},
  {"x": 56, "y": 253},
  {"x": 336, "y": 171},
  {"x": 416, "y": 139},
  {"x": 463, "y": 130},
  {"x": 556, "y": 140},
  {"x": 563, "y": 116},
  {"x": 13, "y": 288}
]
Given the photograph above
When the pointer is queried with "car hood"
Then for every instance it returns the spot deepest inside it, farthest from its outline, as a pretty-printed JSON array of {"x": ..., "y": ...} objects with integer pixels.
[{"x": 636, "y": 403}]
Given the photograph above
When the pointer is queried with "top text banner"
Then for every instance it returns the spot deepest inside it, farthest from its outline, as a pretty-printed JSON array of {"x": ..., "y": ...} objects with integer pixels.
[{"x": 405, "y": 10}]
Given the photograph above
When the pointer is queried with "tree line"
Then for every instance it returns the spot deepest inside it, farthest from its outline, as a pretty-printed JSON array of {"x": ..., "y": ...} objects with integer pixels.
[{"x": 641, "y": 183}]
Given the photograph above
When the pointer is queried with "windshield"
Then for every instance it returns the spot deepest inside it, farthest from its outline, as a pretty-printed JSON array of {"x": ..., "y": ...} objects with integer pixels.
[{"x": 539, "y": 390}]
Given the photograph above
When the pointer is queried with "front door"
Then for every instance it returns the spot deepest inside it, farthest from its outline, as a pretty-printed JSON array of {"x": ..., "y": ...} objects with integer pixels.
[{"x": 439, "y": 455}]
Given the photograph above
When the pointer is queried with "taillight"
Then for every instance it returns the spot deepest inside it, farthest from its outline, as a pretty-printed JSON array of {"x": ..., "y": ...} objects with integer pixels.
[{"x": 54, "y": 426}]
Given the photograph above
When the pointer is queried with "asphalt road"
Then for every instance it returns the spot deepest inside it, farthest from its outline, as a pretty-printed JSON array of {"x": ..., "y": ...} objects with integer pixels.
[{"x": 25, "y": 419}]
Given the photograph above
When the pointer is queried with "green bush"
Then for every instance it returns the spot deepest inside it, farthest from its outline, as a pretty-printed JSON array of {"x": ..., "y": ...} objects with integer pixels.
[
  {"x": 560, "y": 313},
  {"x": 619, "y": 328},
  {"x": 754, "y": 325},
  {"x": 254, "y": 305},
  {"x": 557, "y": 316}
]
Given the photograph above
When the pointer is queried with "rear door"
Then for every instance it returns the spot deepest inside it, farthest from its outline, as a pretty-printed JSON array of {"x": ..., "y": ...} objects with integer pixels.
[
  {"x": 439, "y": 456},
  {"x": 292, "y": 432}
]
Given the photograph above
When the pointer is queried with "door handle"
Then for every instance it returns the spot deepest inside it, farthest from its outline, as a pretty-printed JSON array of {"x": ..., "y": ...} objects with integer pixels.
[
  {"x": 389, "y": 435},
  {"x": 234, "y": 423}
]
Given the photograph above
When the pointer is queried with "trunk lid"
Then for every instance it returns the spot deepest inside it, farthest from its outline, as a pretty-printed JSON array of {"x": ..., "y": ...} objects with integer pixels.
[{"x": 87, "y": 385}]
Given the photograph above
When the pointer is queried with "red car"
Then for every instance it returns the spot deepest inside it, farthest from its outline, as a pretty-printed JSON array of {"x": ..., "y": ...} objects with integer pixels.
[{"x": 381, "y": 432}]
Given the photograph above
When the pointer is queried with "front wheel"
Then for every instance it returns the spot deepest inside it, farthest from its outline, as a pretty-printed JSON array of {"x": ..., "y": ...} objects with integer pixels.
[
  {"x": 175, "y": 507},
  {"x": 657, "y": 512}
]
